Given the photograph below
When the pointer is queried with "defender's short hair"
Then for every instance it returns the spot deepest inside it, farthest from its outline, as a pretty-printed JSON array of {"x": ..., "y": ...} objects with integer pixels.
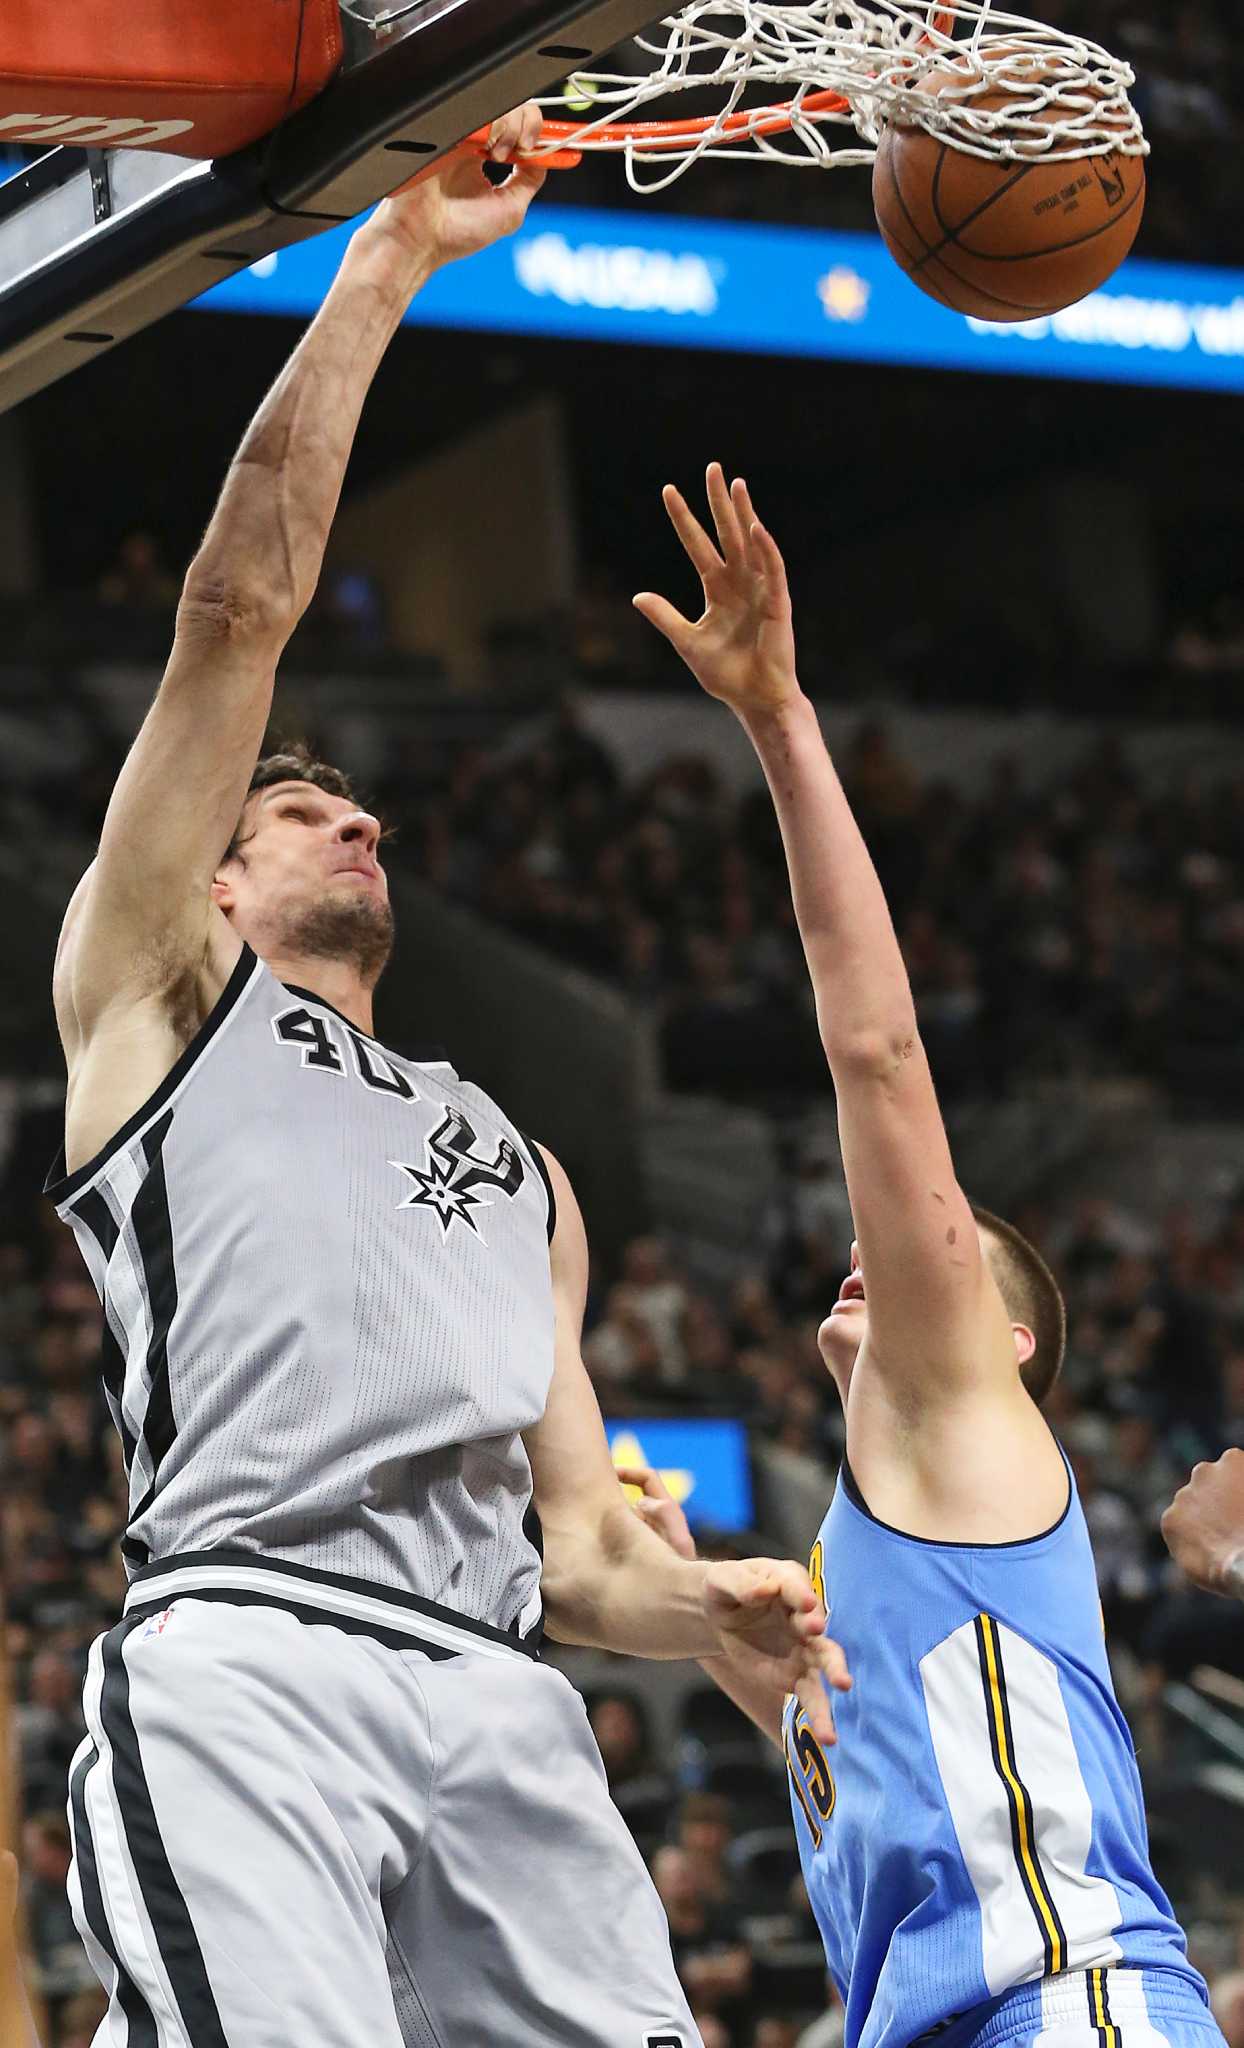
[
  {"x": 294, "y": 763},
  {"x": 1032, "y": 1297}
]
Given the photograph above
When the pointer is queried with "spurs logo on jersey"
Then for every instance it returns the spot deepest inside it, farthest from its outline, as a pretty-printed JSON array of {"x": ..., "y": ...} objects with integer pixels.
[{"x": 449, "y": 1184}]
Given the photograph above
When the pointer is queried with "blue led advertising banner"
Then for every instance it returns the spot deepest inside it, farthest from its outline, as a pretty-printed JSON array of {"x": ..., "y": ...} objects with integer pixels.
[
  {"x": 601, "y": 276},
  {"x": 703, "y": 1463}
]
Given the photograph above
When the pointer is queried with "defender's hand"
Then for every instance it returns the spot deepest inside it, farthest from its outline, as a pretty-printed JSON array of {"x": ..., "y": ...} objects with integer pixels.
[
  {"x": 1204, "y": 1526},
  {"x": 771, "y": 1627},
  {"x": 742, "y": 647},
  {"x": 451, "y": 210},
  {"x": 658, "y": 1509}
]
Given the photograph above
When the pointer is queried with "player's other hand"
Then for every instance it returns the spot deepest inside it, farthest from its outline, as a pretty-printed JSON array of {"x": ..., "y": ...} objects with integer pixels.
[
  {"x": 742, "y": 647},
  {"x": 1204, "y": 1525},
  {"x": 452, "y": 210},
  {"x": 771, "y": 1626},
  {"x": 657, "y": 1508}
]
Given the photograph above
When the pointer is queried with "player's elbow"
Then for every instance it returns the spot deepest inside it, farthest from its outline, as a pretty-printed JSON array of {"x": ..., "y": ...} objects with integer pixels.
[
  {"x": 230, "y": 605},
  {"x": 582, "y": 1550},
  {"x": 569, "y": 1613},
  {"x": 873, "y": 1053}
]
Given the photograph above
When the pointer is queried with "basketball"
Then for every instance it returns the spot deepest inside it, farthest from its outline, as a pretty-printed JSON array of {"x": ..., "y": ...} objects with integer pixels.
[{"x": 1003, "y": 239}]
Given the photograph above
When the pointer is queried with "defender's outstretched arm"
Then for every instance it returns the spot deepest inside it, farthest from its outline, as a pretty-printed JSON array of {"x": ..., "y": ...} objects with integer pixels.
[
  {"x": 144, "y": 916},
  {"x": 937, "y": 1324}
]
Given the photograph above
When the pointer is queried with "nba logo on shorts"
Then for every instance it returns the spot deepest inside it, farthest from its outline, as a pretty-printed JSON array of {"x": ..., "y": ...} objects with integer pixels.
[{"x": 157, "y": 1623}]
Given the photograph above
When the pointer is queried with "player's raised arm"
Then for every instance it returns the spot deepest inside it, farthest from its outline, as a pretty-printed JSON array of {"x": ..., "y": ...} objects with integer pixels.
[
  {"x": 937, "y": 1324},
  {"x": 144, "y": 920},
  {"x": 610, "y": 1582}
]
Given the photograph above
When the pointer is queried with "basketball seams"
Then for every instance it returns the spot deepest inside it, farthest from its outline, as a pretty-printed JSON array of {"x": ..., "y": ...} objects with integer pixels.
[
  {"x": 952, "y": 234},
  {"x": 1055, "y": 248},
  {"x": 924, "y": 216},
  {"x": 930, "y": 256}
]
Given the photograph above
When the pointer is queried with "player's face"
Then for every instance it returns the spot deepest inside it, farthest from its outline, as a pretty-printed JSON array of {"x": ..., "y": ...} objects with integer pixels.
[
  {"x": 307, "y": 879},
  {"x": 845, "y": 1327}
]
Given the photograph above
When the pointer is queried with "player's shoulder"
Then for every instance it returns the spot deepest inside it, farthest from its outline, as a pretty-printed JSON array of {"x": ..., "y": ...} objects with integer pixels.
[{"x": 990, "y": 1478}]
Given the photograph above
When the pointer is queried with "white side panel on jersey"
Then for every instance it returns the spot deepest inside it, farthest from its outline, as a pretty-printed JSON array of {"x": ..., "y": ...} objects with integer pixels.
[
  {"x": 127, "y": 1287},
  {"x": 97, "y": 1266},
  {"x": 961, "y": 1712}
]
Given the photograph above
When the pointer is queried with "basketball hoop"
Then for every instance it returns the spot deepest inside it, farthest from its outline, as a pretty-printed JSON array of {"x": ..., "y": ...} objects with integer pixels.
[{"x": 995, "y": 85}]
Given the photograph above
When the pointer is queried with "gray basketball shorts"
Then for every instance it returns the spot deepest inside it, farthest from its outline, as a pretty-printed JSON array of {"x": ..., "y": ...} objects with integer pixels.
[{"x": 310, "y": 1825}]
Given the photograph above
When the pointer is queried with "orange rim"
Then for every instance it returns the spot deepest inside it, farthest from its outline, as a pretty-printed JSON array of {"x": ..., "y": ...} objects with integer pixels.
[
  {"x": 667, "y": 135},
  {"x": 671, "y": 134}
]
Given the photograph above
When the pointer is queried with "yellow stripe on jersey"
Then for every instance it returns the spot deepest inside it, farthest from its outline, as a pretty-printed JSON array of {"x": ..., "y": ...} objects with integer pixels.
[
  {"x": 1108, "y": 2033},
  {"x": 1021, "y": 1805}
]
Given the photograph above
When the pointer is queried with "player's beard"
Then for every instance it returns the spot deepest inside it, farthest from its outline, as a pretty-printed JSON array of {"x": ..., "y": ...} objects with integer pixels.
[{"x": 355, "y": 928}]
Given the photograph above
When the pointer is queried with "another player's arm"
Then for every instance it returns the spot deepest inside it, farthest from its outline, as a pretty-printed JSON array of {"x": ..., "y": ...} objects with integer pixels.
[
  {"x": 657, "y": 1509},
  {"x": 937, "y": 1324},
  {"x": 1204, "y": 1526},
  {"x": 145, "y": 916},
  {"x": 611, "y": 1583}
]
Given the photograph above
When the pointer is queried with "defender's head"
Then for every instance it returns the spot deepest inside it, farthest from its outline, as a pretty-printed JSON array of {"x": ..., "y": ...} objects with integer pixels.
[
  {"x": 1026, "y": 1284},
  {"x": 300, "y": 877}
]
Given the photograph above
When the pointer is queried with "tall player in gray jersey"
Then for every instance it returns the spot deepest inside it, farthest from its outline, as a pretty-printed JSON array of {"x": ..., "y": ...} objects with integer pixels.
[{"x": 329, "y": 1795}]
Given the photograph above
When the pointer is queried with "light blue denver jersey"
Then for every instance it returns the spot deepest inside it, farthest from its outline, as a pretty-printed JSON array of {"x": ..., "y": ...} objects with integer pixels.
[{"x": 979, "y": 1825}]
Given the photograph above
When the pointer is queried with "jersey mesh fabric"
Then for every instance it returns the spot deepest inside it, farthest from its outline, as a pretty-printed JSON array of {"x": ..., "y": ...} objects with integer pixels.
[{"x": 325, "y": 1274}]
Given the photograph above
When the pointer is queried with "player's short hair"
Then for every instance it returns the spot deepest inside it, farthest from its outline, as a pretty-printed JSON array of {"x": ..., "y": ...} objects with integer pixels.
[
  {"x": 1032, "y": 1298},
  {"x": 293, "y": 763}
]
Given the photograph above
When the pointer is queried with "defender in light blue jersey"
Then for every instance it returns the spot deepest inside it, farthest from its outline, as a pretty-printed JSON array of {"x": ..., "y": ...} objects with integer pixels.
[{"x": 974, "y": 1843}]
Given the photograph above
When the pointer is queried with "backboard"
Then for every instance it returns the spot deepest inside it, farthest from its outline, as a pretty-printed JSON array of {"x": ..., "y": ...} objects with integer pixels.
[{"x": 97, "y": 244}]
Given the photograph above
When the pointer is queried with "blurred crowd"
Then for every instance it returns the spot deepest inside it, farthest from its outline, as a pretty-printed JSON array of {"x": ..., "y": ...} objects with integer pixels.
[{"x": 1088, "y": 926}]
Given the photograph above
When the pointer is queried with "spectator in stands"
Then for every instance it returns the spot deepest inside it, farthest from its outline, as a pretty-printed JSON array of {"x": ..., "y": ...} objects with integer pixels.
[
  {"x": 773, "y": 2031},
  {"x": 827, "y": 2031},
  {"x": 655, "y": 1293},
  {"x": 49, "y": 1726},
  {"x": 138, "y": 580},
  {"x": 1226, "y": 1999},
  {"x": 703, "y": 1834},
  {"x": 713, "y": 1961},
  {"x": 60, "y": 1964},
  {"x": 640, "y": 1788}
]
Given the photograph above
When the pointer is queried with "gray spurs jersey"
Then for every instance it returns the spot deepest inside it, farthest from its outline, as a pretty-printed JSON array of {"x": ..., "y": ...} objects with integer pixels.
[{"x": 324, "y": 1268}]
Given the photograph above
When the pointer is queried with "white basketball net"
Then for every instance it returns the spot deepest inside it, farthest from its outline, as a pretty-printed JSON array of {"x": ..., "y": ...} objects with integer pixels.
[{"x": 1064, "y": 96}]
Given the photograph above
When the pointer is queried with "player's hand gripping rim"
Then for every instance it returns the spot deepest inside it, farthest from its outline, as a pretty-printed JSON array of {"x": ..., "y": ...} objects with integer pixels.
[
  {"x": 450, "y": 209},
  {"x": 771, "y": 1625}
]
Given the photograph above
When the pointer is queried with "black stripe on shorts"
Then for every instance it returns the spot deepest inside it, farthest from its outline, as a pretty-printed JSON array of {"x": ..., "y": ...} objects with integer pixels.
[
  {"x": 139, "y": 2020},
  {"x": 302, "y": 1610},
  {"x": 166, "y": 1907}
]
